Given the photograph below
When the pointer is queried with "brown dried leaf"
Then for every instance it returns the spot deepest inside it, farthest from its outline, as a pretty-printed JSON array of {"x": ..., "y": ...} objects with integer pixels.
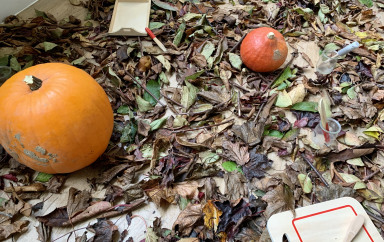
[
  {"x": 145, "y": 63},
  {"x": 279, "y": 199},
  {"x": 349, "y": 154},
  {"x": 77, "y": 201},
  {"x": 7, "y": 229},
  {"x": 236, "y": 153},
  {"x": 104, "y": 230},
  {"x": 187, "y": 218},
  {"x": 35, "y": 187},
  {"x": 108, "y": 175},
  {"x": 90, "y": 212},
  {"x": 56, "y": 183},
  {"x": 236, "y": 185}
]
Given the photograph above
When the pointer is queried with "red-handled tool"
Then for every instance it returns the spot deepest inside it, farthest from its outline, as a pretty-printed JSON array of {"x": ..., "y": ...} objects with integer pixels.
[{"x": 162, "y": 47}]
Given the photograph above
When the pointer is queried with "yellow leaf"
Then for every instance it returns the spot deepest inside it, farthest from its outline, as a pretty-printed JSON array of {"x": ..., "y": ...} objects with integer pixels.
[
  {"x": 374, "y": 132},
  {"x": 297, "y": 94},
  {"x": 211, "y": 215},
  {"x": 361, "y": 35}
]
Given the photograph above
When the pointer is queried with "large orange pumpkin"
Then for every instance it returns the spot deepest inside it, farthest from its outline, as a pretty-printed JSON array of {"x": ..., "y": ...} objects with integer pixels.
[
  {"x": 54, "y": 118},
  {"x": 263, "y": 50}
]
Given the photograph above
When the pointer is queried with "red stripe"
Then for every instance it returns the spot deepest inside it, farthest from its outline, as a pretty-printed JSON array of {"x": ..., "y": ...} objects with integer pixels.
[
  {"x": 326, "y": 211},
  {"x": 150, "y": 33}
]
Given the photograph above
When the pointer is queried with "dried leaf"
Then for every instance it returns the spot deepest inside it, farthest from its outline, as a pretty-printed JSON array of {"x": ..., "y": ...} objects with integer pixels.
[
  {"x": 164, "y": 5},
  {"x": 104, "y": 230},
  {"x": 189, "y": 95},
  {"x": 238, "y": 154},
  {"x": 235, "y": 61},
  {"x": 256, "y": 166},
  {"x": 236, "y": 187},
  {"x": 7, "y": 230},
  {"x": 187, "y": 218},
  {"x": 211, "y": 215},
  {"x": 77, "y": 201}
]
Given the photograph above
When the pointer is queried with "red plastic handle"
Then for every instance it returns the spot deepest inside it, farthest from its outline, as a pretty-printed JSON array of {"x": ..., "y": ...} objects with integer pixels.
[{"x": 150, "y": 33}]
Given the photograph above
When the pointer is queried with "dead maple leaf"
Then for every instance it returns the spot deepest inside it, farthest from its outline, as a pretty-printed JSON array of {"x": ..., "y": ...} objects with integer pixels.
[
  {"x": 238, "y": 154},
  {"x": 187, "y": 218},
  {"x": 236, "y": 187}
]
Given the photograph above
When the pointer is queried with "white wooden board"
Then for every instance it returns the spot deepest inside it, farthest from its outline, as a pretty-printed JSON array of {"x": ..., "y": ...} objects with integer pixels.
[
  {"x": 327, "y": 221},
  {"x": 130, "y": 17}
]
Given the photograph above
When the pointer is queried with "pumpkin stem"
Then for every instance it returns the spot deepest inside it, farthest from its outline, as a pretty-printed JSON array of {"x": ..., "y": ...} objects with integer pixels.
[
  {"x": 271, "y": 35},
  {"x": 33, "y": 82}
]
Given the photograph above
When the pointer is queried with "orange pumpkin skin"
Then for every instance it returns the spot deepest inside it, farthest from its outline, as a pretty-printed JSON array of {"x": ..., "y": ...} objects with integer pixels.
[
  {"x": 61, "y": 127},
  {"x": 262, "y": 51}
]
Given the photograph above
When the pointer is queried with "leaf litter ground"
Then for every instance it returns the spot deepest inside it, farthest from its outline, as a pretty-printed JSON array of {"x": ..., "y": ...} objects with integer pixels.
[{"x": 196, "y": 130}]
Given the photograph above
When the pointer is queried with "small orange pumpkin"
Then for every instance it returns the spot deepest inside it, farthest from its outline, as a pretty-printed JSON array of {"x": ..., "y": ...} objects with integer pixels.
[
  {"x": 263, "y": 49},
  {"x": 54, "y": 118}
]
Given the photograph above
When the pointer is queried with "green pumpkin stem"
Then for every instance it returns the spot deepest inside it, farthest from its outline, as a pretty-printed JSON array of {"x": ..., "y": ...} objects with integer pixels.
[{"x": 33, "y": 82}]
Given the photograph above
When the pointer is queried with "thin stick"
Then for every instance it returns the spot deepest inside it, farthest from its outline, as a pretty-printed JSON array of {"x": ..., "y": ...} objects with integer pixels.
[
  {"x": 314, "y": 168},
  {"x": 202, "y": 127},
  {"x": 68, "y": 233},
  {"x": 134, "y": 79},
  {"x": 374, "y": 173},
  {"x": 238, "y": 104},
  {"x": 258, "y": 112},
  {"x": 238, "y": 43},
  {"x": 171, "y": 100}
]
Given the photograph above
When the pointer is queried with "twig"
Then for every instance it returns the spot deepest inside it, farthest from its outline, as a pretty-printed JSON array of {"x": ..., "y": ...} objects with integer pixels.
[
  {"x": 202, "y": 127},
  {"x": 238, "y": 43},
  {"x": 141, "y": 47},
  {"x": 238, "y": 104},
  {"x": 198, "y": 9},
  {"x": 134, "y": 79},
  {"x": 68, "y": 233},
  {"x": 374, "y": 216},
  {"x": 314, "y": 168},
  {"x": 171, "y": 100},
  {"x": 371, "y": 175},
  {"x": 258, "y": 112},
  {"x": 238, "y": 86}
]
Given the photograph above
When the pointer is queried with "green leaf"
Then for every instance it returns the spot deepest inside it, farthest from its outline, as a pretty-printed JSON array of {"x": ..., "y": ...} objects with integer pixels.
[
  {"x": 306, "y": 106},
  {"x": 189, "y": 16},
  {"x": 43, "y": 177},
  {"x": 194, "y": 76},
  {"x": 14, "y": 64},
  {"x": 230, "y": 166},
  {"x": 155, "y": 25},
  {"x": 143, "y": 105},
  {"x": 154, "y": 87},
  {"x": 147, "y": 151},
  {"x": 129, "y": 133},
  {"x": 349, "y": 178},
  {"x": 179, "y": 121},
  {"x": 208, "y": 49},
  {"x": 208, "y": 157},
  {"x": 305, "y": 183},
  {"x": 183, "y": 202},
  {"x": 368, "y": 3},
  {"x": 324, "y": 8},
  {"x": 355, "y": 161},
  {"x": 331, "y": 47},
  {"x": 351, "y": 93},
  {"x": 48, "y": 46},
  {"x": 164, "y": 5},
  {"x": 163, "y": 77},
  {"x": 283, "y": 100},
  {"x": 78, "y": 61},
  {"x": 179, "y": 34},
  {"x": 157, "y": 123},
  {"x": 4, "y": 60},
  {"x": 235, "y": 61},
  {"x": 275, "y": 133},
  {"x": 291, "y": 134},
  {"x": 189, "y": 95},
  {"x": 124, "y": 109},
  {"x": 283, "y": 86},
  {"x": 287, "y": 73}
]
